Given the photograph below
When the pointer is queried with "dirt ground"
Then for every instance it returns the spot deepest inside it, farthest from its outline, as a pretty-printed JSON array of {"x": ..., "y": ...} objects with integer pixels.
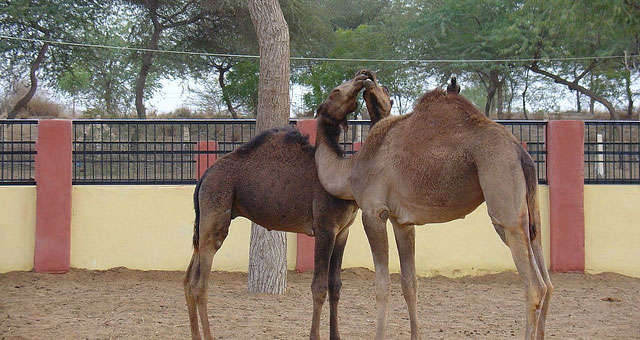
[{"x": 129, "y": 304}]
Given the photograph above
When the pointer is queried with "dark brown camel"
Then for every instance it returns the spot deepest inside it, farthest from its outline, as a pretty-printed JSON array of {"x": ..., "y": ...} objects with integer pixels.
[
  {"x": 434, "y": 165},
  {"x": 272, "y": 180}
]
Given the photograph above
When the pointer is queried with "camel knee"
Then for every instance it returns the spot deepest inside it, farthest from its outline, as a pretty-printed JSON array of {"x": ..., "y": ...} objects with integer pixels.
[
  {"x": 382, "y": 293},
  {"x": 409, "y": 282},
  {"x": 334, "y": 289},
  {"x": 536, "y": 294},
  {"x": 319, "y": 291}
]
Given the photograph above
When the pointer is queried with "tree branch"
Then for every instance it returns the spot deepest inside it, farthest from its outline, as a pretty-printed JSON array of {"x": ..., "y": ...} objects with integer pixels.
[
  {"x": 574, "y": 86},
  {"x": 629, "y": 3},
  {"x": 184, "y": 22},
  {"x": 586, "y": 71}
]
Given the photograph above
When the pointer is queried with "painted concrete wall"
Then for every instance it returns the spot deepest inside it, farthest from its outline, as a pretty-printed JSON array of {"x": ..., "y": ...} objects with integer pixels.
[
  {"x": 612, "y": 229},
  {"x": 147, "y": 227},
  {"x": 17, "y": 227},
  {"x": 150, "y": 227}
]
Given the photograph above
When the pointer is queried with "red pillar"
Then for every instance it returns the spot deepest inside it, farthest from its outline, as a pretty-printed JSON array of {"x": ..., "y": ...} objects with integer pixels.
[
  {"x": 306, "y": 244},
  {"x": 205, "y": 160},
  {"x": 565, "y": 172},
  {"x": 53, "y": 201}
]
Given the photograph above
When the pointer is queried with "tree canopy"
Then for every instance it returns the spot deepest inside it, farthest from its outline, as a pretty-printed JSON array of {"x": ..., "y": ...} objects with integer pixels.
[{"x": 511, "y": 57}]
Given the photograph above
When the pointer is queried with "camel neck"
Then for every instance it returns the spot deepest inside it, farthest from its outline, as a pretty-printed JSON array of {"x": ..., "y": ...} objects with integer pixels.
[{"x": 334, "y": 170}]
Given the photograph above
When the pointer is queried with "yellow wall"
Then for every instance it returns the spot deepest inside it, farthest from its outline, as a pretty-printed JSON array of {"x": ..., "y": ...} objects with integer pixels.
[
  {"x": 469, "y": 246},
  {"x": 612, "y": 229},
  {"x": 17, "y": 227},
  {"x": 148, "y": 228}
]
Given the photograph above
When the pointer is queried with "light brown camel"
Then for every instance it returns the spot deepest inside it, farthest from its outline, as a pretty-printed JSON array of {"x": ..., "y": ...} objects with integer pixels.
[
  {"x": 271, "y": 180},
  {"x": 435, "y": 165}
]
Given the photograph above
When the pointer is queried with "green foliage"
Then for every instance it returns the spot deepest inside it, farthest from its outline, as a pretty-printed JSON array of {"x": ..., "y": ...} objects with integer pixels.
[
  {"x": 243, "y": 87},
  {"x": 30, "y": 19},
  {"x": 103, "y": 79}
]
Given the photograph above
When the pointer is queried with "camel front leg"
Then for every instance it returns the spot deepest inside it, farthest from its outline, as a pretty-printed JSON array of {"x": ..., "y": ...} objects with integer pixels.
[
  {"x": 335, "y": 281},
  {"x": 376, "y": 229},
  {"x": 322, "y": 255},
  {"x": 406, "y": 240}
]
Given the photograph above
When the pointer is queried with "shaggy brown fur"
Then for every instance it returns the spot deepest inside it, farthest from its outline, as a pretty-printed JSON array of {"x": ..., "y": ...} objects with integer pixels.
[{"x": 434, "y": 165}]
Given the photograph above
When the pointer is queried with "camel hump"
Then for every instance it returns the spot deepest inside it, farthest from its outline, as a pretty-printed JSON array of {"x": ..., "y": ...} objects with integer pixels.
[{"x": 289, "y": 135}]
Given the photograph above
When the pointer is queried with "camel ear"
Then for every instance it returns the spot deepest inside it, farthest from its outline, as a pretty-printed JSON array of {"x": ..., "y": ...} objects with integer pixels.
[{"x": 322, "y": 110}]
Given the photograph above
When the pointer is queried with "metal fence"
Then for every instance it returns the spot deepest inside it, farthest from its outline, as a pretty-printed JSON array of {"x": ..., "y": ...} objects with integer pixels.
[
  {"x": 612, "y": 152},
  {"x": 149, "y": 151},
  {"x": 165, "y": 151},
  {"x": 18, "y": 151},
  {"x": 531, "y": 133}
]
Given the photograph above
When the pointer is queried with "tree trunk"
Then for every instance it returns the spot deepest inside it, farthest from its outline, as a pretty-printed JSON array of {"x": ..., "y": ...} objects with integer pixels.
[
  {"x": 578, "y": 103},
  {"x": 225, "y": 96},
  {"x": 627, "y": 80},
  {"x": 512, "y": 91},
  {"x": 524, "y": 95},
  {"x": 144, "y": 72},
  {"x": 491, "y": 91},
  {"x": 268, "y": 249},
  {"x": 500, "y": 101},
  {"x": 574, "y": 86},
  {"x": 34, "y": 81}
]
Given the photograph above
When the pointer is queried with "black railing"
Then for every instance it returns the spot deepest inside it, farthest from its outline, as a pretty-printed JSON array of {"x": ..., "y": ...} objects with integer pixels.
[
  {"x": 149, "y": 151},
  {"x": 612, "y": 152},
  {"x": 531, "y": 133},
  {"x": 165, "y": 151},
  {"x": 18, "y": 151}
]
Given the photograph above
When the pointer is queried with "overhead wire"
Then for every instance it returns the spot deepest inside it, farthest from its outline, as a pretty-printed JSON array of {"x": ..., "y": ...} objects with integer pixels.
[{"x": 248, "y": 56}]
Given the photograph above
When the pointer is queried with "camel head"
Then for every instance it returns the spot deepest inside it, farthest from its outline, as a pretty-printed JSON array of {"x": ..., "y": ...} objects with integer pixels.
[
  {"x": 342, "y": 100},
  {"x": 377, "y": 98}
]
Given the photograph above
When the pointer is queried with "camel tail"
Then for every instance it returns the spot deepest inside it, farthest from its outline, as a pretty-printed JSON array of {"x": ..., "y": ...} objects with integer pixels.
[
  {"x": 531, "y": 179},
  {"x": 196, "y": 224}
]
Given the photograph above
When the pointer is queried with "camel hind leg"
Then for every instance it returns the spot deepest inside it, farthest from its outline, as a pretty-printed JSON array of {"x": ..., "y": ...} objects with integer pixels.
[
  {"x": 507, "y": 207},
  {"x": 214, "y": 227},
  {"x": 536, "y": 244}
]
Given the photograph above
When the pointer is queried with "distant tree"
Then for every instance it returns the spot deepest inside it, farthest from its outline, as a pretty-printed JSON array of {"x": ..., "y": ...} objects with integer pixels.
[
  {"x": 578, "y": 28},
  {"x": 40, "y": 20},
  {"x": 227, "y": 29},
  {"x": 464, "y": 30},
  {"x": 103, "y": 79},
  {"x": 160, "y": 16},
  {"x": 74, "y": 81}
]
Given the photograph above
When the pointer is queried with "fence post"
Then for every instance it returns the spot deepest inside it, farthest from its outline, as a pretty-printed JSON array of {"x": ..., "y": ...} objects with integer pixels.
[
  {"x": 306, "y": 244},
  {"x": 53, "y": 196},
  {"x": 205, "y": 160},
  {"x": 565, "y": 171}
]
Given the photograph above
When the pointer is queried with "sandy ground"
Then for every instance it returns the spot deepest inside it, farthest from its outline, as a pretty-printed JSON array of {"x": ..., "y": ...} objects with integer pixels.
[{"x": 128, "y": 304}]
